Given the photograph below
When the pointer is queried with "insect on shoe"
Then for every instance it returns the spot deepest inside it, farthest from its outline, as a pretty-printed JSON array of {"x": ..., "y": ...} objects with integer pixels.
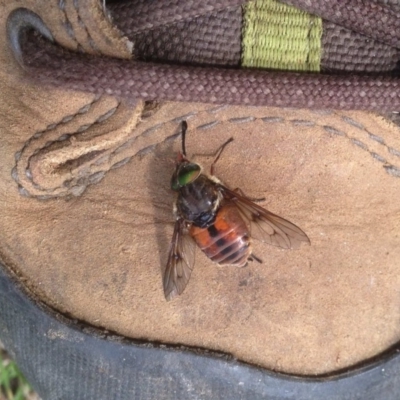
[
  {"x": 220, "y": 221},
  {"x": 120, "y": 282}
]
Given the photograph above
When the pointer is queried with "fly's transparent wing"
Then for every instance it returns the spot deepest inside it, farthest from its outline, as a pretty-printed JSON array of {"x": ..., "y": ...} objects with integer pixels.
[
  {"x": 180, "y": 261},
  {"x": 266, "y": 226}
]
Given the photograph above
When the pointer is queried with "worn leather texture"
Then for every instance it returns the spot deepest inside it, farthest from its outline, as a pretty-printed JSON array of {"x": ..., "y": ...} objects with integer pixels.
[
  {"x": 86, "y": 217},
  {"x": 70, "y": 361}
]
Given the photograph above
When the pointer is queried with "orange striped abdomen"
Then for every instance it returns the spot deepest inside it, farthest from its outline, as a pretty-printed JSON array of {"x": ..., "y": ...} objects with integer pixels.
[{"x": 227, "y": 240}]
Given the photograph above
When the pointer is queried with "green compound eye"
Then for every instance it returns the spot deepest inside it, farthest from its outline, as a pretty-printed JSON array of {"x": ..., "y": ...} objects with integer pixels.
[{"x": 186, "y": 173}]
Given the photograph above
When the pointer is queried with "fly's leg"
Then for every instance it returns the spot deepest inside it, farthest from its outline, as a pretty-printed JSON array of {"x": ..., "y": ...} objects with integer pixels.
[
  {"x": 253, "y": 257},
  {"x": 218, "y": 154}
]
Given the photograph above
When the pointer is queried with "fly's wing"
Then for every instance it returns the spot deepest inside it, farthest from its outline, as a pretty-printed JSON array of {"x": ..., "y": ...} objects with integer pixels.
[
  {"x": 180, "y": 261},
  {"x": 266, "y": 226}
]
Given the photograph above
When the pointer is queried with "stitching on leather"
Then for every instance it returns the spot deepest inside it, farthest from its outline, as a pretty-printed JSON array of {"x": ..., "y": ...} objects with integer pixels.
[
  {"x": 67, "y": 24},
  {"x": 394, "y": 151},
  {"x": 82, "y": 110},
  {"x": 376, "y": 138},
  {"x": 91, "y": 41},
  {"x": 241, "y": 120},
  {"x": 48, "y": 130},
  {"x": 329, "y": 129},
  {"x": 351, "y": 122},
  {"x": 185, "y": 117},
  {"x": 301, "y": 122},
  {"x": 391, "y": 169},
  {"x": 333, "y": 131},
  {"x": 209, "y": 125},
  {"x": 97, "y": 157}
]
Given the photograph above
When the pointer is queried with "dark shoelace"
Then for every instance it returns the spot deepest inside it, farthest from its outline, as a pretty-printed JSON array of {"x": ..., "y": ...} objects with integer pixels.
[{"x": 133, "y": 80}]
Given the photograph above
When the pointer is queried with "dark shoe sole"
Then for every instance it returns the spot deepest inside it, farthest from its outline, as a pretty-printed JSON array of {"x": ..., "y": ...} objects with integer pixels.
[{"x": 64, "y": 359}]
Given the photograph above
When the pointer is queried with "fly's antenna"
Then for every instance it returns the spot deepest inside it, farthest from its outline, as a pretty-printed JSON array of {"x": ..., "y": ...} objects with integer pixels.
[{"x": 184, "y": 129}]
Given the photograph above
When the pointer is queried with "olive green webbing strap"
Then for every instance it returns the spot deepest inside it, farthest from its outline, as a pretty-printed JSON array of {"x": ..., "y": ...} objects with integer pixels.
[{"x": 281, "y": 37}]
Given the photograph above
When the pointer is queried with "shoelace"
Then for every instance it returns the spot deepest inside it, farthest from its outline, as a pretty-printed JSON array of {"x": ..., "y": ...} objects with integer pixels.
[{"x": 133, "y": 80}]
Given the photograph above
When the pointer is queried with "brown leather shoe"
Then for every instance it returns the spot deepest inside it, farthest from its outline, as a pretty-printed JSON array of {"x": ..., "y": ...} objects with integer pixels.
[{"x": 86, "y": 205}]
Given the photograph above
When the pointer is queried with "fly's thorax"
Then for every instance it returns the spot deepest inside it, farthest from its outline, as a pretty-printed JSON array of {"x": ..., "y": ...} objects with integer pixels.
[{"x": 198, "y": 201}]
